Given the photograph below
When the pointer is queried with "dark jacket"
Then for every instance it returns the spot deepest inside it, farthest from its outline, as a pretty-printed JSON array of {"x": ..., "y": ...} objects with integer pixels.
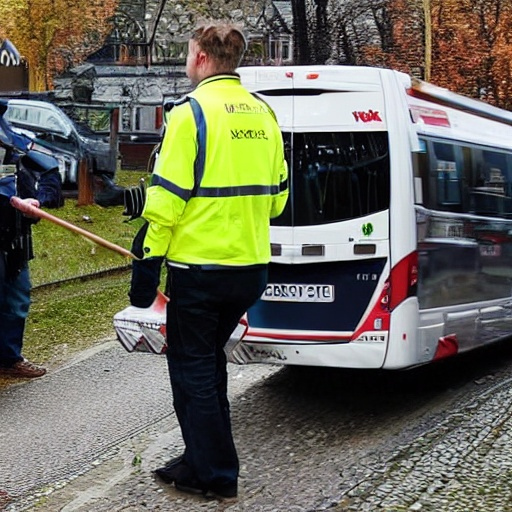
[{"x": 37, "y": 176}]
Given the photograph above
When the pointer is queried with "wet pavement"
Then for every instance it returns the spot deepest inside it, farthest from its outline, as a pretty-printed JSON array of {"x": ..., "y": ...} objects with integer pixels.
[{"x": 86, "y": 438}]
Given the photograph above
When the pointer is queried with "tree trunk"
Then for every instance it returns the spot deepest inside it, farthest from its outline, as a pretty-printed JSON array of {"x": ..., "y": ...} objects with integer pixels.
[
  {"x": 321, "y": 36},
  {"x": 301, "y": 51}
]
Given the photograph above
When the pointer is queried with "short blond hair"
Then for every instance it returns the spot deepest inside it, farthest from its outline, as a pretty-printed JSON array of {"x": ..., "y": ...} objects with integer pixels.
[{"x": 222, "y": 42}]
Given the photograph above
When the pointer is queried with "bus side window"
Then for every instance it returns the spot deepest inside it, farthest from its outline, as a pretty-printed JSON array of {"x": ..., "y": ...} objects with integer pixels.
[
  {"x": 420, "y": 168},
  {"x": 491, "y": 194},
  {"x": 447, "y": 176},
  {"x": 468, "y": 175}
]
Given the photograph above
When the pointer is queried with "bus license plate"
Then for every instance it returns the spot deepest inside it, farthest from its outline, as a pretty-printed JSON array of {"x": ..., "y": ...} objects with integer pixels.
[{"x": 299, "y": 292}]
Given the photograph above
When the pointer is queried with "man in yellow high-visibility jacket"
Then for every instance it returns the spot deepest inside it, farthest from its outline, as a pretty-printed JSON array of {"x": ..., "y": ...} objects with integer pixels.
[{"x": 219, "y": 179}]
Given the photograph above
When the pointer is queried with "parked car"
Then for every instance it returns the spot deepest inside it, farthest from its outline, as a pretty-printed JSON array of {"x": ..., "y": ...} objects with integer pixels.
[
  {"x": 50, "y": 129},
  {"x": 17, "y": 157}
]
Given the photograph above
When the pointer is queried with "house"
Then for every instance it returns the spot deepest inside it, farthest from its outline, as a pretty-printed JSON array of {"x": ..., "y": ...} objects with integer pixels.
[{"x": 142, "y": 63}]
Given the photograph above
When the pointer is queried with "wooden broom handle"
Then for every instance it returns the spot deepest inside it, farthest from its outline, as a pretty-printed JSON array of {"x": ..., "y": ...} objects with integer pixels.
[{"x": 32, "y": 211}]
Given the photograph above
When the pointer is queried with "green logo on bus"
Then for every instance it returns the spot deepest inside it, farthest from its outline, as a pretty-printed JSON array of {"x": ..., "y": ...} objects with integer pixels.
[{"x": 367, "y": 229}]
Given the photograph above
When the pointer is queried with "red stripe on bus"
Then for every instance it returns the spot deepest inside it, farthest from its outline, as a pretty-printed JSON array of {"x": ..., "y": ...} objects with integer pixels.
[{"x": 297, "y": 337}]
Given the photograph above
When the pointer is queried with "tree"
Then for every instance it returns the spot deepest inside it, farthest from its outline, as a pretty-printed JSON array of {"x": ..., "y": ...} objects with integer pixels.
[
  {"x": 300, "y": 32},
  {"x": 52, "y": 35},
  {"x": 407, "y": 42},
  {"x": 472, "y": 47},
  {"x": 340, "y": 30},
  {"x": 456, "y": 51}
]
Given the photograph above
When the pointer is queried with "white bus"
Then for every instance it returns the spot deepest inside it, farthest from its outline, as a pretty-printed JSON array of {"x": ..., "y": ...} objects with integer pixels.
[{"x": 395, "y": 248}]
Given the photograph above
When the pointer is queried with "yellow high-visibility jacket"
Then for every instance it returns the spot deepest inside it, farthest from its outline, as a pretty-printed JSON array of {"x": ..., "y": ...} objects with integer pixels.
[{"x": 219, "y": 179}]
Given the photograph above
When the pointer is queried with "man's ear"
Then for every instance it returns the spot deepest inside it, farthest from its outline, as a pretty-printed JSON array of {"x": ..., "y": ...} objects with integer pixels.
[{"x": 201, "y": 58}]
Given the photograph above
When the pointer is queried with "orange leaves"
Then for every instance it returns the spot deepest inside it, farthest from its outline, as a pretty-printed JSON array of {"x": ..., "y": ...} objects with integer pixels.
[
  {"x": 463, "y": 45},
  {"x": 54, "y": 34},
  {"x": 473, "y": 47},
  {"x": 469, "y": 42}
]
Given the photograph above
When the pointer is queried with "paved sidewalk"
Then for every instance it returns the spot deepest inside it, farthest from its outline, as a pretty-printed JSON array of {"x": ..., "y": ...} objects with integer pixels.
[{"x": 462, "y": 464}]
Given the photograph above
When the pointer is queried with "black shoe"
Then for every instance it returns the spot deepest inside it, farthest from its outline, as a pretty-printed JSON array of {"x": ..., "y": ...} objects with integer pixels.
[
  {"x": 174, "y": 462},
  {"x": 193, "y": 486},
  {"x": 190, "y": 485},
  {"x": 174, "y": 469}
]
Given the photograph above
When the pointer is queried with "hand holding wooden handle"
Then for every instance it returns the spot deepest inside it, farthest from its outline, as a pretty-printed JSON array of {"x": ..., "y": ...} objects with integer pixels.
[
  {"x": 28, "y": 209},
  {"x": 32, "y": 211}
]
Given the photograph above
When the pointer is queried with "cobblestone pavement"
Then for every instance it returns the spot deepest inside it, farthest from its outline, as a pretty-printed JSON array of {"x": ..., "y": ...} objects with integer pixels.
[
  {"x": 464, "y": 464},
  {"x": 423, "y": 441}
]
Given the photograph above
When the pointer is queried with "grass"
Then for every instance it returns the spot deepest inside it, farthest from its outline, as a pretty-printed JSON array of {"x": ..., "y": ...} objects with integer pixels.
[
  {"x": 61, "y": 254},
  {"x": 70, "y": 316}
]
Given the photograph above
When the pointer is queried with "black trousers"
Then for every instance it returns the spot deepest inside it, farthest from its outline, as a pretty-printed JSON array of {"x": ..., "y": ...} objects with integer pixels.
[{"x": 204, "y": 309}]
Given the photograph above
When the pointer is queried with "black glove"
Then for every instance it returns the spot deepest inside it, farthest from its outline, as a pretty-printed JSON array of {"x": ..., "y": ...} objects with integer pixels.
[
  {"x": 134, "y": 199},
  {"x": 145, "y": 273},
  {"x": 145, "y": 281}
]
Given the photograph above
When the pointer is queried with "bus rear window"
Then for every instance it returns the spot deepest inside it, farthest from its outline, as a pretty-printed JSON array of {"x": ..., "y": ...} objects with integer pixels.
[{"x": 335, "y": 176}]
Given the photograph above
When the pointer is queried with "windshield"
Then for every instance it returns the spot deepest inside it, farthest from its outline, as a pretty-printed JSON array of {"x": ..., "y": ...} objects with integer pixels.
[
  {"x": 37, "y": 118},
  {"x": 335, "y": 176}
]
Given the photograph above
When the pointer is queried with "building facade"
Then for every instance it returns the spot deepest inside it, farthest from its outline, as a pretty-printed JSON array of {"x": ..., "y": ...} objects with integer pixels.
[{"x": 142, "y": 62}]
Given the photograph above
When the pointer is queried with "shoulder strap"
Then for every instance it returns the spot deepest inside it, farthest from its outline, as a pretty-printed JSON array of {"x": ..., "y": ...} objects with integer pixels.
[
  {"x": 201, "y": 144},
  {"x": 200, "y": 135}
]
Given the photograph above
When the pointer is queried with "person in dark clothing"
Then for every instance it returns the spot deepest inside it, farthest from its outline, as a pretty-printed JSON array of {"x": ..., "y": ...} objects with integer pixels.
[{"x": 37, "y": 181}]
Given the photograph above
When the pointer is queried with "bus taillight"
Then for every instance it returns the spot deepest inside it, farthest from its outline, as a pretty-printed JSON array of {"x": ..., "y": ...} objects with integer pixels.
[
  {"x": 384, "y": 297},
  {"x": 403, "y": 280},
  {"x": 378, "y": 318}
]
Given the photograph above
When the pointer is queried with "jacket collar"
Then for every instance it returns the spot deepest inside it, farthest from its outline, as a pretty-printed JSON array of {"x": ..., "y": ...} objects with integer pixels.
[{"x": 216, "y": 78}]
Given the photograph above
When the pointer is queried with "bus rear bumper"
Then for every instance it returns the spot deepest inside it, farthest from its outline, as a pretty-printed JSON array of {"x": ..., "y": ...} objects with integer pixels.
[{"x": 332, "y": 354}]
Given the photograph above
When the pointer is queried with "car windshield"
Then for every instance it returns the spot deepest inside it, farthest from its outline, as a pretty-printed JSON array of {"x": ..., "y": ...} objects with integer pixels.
[{"x": 37, "y": 118}]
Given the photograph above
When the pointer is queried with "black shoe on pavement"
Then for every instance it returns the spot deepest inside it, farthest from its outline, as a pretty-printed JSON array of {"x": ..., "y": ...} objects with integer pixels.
[
  {"x": 193, "y": 486},
  {"x": 174, "y": 462},
  {"x": 175, "y": 468}
]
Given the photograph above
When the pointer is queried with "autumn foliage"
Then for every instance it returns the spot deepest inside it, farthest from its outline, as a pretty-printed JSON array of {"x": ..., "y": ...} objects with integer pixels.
[
  {"x": 53, "y": 35},
  {"x": 471, "y": 45},
  {"x": 463, "y": 45},
  {"x": 474, "y": 48}
]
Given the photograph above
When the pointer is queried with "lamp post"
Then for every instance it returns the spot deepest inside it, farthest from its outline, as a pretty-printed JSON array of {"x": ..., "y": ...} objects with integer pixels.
[{"x": 428, "y": 39}]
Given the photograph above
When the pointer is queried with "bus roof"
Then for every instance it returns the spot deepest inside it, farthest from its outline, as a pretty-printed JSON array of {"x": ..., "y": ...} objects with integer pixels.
[
  {"x": 335, "y": 77},
  {"x": 363, "y": 78},
  {"x": 441, "y": 96}
]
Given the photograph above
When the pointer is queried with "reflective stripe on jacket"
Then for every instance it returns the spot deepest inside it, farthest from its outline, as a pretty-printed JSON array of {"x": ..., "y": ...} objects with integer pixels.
[{"x": 221, "y": 217}]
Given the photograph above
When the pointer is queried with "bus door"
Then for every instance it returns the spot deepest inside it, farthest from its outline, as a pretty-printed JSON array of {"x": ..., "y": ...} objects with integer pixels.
[{"x": 330, "y": 247}]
